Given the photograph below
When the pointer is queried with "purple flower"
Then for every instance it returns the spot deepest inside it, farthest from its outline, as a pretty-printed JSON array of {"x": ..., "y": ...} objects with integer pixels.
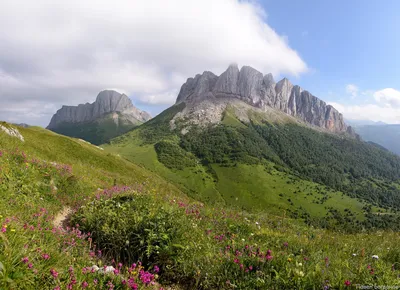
[
  {"x": 54, "y": 273},
  {"x": 156, "y": 269}
]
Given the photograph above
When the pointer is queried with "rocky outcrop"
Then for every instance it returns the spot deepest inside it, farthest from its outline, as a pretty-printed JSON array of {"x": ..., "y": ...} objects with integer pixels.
[
  {"x": 13, "y": 132},
  {"x": 261, "y": 91},
  {"x": 107, "y": 101}
]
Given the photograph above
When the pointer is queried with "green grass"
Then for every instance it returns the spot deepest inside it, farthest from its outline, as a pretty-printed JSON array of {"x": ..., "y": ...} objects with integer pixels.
[
  {"x": 257, "y": 187},
  {"x": 195, "y": 245}
]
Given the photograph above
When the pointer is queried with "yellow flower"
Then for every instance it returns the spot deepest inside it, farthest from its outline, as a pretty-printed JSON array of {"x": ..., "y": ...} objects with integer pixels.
[
  {"x": 289, "y": 259},
  {"x": 12, "y": 230}
]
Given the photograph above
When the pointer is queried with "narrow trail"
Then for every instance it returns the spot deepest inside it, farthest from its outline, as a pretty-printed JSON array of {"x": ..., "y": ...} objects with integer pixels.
[{"x": 62, "y": 217}]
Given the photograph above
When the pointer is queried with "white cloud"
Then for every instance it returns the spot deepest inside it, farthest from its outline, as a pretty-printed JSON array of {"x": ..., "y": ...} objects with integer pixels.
[
  {"x": 388, "y": 97},
  {"x": 373, "y": 112},
  {"x": 352, "y": 90},
  {"x": 65, "y": 53}
]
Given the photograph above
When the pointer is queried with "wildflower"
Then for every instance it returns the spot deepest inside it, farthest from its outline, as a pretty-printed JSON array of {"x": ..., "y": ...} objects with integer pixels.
[
  {"x": 3, "y": 229},
  {"x": 110, "y": 285},
  {"x": 347, "y": 283},
  {"x": 354, "y": 254},
  {"x": 25, "y": 260},
  {"x": 375, "y": 257},
  {"x": 285, "y": 244},
  {"x": 156, "y": 269},
  {"x": 54, "y": 273},
  {"x": 30, "y": 266},
  {"x": 84, "y": 284},
  {"x": 289, "y": 259},
  {"x": 269, "y": 255},
  {"x": 57, "y": 288}
]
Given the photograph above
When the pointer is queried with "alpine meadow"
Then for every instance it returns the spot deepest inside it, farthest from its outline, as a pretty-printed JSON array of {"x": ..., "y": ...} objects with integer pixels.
[{"x": 136, "y": 153}]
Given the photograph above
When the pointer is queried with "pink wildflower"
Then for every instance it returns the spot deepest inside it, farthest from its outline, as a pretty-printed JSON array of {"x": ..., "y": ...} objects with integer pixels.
[{"x": 54, "y": 273}]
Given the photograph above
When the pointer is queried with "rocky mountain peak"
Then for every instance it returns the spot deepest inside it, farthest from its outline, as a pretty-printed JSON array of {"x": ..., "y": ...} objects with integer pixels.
[
  {"x": 107, "y": 101},
  {"x": 269, "y": 80},
  {"x": 261, "y": 92}
]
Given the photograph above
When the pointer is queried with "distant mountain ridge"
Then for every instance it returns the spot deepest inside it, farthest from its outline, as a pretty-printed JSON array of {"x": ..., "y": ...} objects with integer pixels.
[
  {"x": 260, "y": 92},
  {"x": 111, "y": 115},
  {"x": 107, "y": 101},
  {"x": 386, "y": 135}
]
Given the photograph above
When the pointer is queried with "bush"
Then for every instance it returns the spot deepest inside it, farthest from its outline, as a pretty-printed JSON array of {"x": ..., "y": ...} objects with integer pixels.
[{"x": 134, "y": 227}]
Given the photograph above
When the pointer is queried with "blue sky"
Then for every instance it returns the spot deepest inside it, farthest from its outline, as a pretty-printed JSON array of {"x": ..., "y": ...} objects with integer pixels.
[
  {"x": 344, "y": 52},
  {"x": 343, "y": 42}
]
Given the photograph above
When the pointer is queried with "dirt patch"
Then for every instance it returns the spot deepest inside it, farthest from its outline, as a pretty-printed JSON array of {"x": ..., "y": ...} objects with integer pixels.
[{"x": 61, "y": 219}]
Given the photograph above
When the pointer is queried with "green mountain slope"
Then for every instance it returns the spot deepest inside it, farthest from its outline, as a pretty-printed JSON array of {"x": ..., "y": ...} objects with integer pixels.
[
  {"x": 156, "y": 235},
  {"x": 272, "y": 167}
]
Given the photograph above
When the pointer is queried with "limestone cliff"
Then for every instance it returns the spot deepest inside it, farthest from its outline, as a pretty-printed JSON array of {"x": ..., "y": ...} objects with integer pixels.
[
  {"x": 261, "y": 92},
  {"x": 107, "y": 101}
]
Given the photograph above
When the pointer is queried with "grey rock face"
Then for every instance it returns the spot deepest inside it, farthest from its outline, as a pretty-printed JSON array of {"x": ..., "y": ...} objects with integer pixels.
[
  {"x": 251, "y": 87},
  {"x": 227, "y": 82},
  {"x": 107, "y": 101}
]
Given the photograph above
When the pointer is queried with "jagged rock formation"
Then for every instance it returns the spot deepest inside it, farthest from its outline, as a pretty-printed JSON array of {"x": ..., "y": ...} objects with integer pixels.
[
  {"x": 261, "y": 92},
  {"x": 107, "y": 101},
  {"x": 111, "y": 115}
]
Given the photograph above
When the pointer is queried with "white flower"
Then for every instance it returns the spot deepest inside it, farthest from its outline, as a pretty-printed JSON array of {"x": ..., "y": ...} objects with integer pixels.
[
  {"x": 354, "y": 255},
  {"x": 108, "y": 269},
  {"x": 257, "y": 223},
  {"x": 242, "y": 240},
  {"x": 375, "y": 257}
]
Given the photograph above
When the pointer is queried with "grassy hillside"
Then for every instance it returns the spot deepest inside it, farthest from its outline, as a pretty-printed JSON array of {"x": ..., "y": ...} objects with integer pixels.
[
  {"x": 99, "y": 131},
  {"x": 327, "y": 180},
  {"x": 154, "y": 236}
]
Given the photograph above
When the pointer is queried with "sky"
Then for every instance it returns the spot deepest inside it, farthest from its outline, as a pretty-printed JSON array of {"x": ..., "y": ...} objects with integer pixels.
[{"x": 55, "y": 53}]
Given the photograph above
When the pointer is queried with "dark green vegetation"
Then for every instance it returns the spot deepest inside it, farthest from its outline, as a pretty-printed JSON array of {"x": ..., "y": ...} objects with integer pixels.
[
  {"x": 327, "y": 180},
  {"x": 99, "y": 131}
]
